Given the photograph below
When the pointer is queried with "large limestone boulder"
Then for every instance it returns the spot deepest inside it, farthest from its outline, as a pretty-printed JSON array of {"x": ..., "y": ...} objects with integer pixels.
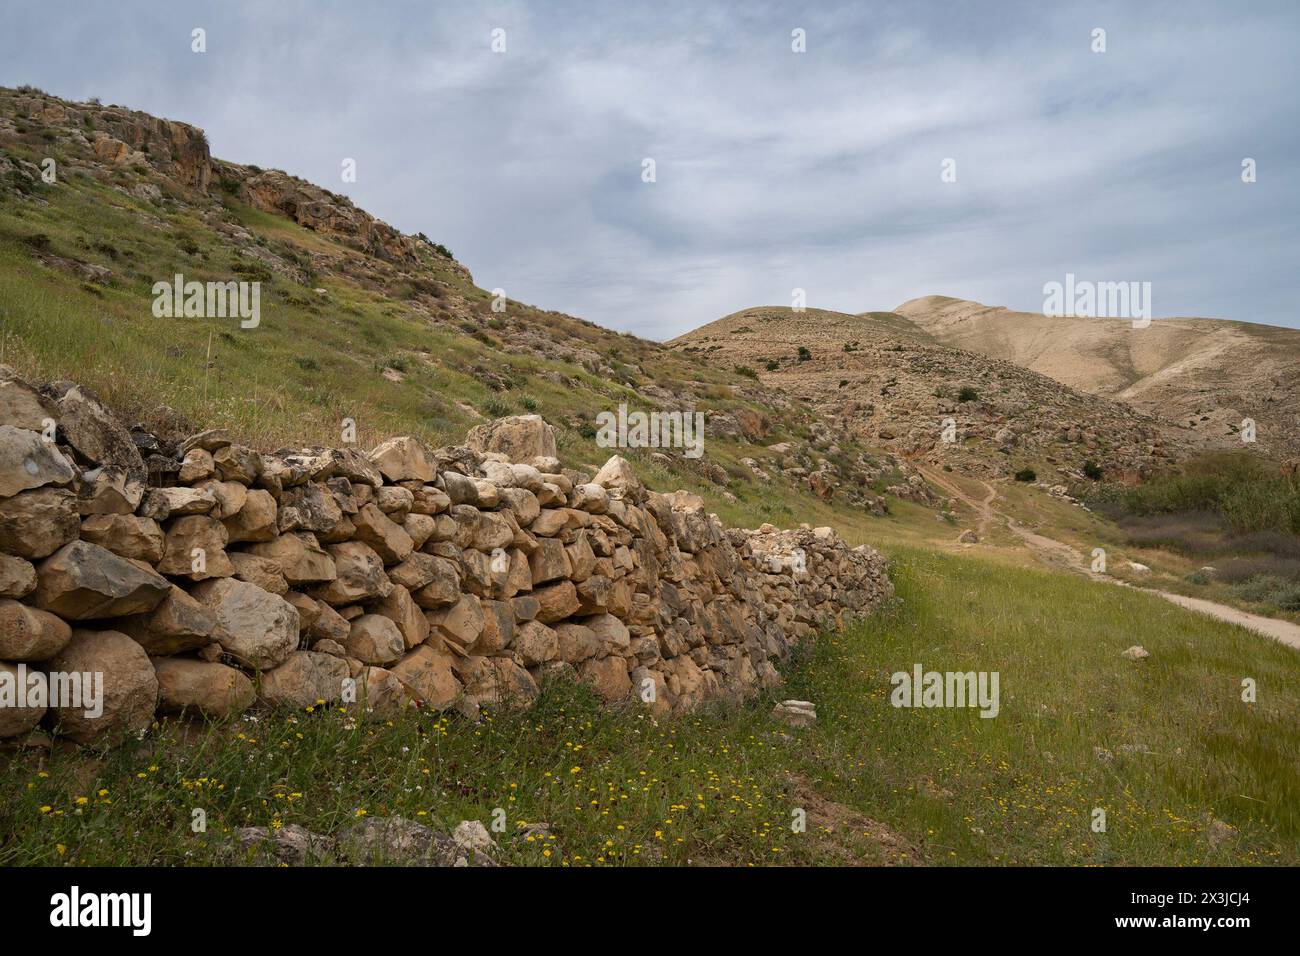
[
  {"x": 460, "y": 623},
  {"x": 206, "y": 687},
  {"x": 521, "y": 438},
  {"x": 30, "y": 634},
  {"x": 427, "y": 672},
  {"x": 535, "y": 643},
  {"x": 28, "y": 461},
  {"x": 400, "y": 608},
  {"x": 17, "y": 577},
  {"x": 608, "y": 676},
  {"x": 388, "y": 538},
  {"x": 82, "y": 581},
  {"x": 404, "y": 459},
  {"x": 257, "y": 628},
  {"x": 38, "y": 522},
  {"x": 309, "y": 507},
  {"x": 178, "y": 624},
  {"x": 23, "y": 406},
  {"x": 556, "y": 602},
  {"x": 300, "y": 558},
  {"x": 195, "y": 548},
  {"x": 141, "y": 539},
  {"x": 359, "y": 575},
  {"x": 618, "y": 477},
  {"x": 375, "y": 639},
  {"x": 256, "y": 520},
  {"x": 98, "y": 437},
  {"x": 15, "y": 720},
  {"x": 306, "y": 679},
  {"x": 129, "y": 687}
]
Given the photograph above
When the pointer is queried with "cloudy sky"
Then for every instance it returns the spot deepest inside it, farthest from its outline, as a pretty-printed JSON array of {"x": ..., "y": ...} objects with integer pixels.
[{"x": 774, "y": 170}]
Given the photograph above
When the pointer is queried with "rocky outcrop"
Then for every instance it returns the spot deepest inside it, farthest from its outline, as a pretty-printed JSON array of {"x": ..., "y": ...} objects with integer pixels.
[{"x": 452, "y": 578}]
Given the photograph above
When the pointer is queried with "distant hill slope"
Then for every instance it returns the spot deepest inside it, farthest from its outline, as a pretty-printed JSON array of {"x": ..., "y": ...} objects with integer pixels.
[
  {"x": 1206, "y": 374},
  {"x": 886, "y": 380}
]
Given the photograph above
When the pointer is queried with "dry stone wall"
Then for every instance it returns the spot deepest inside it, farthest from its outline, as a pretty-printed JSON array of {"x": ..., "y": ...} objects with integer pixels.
[{"x": 208, "y": 578}]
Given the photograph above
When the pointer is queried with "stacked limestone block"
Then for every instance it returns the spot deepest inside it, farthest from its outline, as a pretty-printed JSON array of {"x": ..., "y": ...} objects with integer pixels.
[{"x": 210, "y": 578}]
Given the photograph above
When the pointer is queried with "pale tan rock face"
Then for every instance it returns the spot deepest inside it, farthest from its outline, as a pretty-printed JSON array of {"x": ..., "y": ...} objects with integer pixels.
[
  {"x": 306, "y": 679},
  {"x": 186, "y": 685},
  {"x": 81, "y": 581},
  {"x": 125, "y": 681},
  {"x": 29, "y": 634},
  {"x": 449, "y": 577},
  {"x": 37, "y": 522},
  {"x": 258, "y": 628}
]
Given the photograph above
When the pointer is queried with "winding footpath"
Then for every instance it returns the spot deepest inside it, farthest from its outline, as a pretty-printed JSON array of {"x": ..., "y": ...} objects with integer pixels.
[{"x": 1058, "y": 554}]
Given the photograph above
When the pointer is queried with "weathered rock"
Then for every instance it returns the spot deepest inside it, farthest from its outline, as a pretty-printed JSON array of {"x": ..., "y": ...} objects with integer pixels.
[
  {"x": 257, "y": 628},
  {"x": 30, "y": 634},
  {"x": 129, "y": 687},
  {"x": 299, "y": 557},
  {"x": 37, "y": 523},
  {"x": 97, "y": 436},
  {"x": 400, "y": 608},
  {"x": 266, "y": 574},
  {"x": 556, "y": 602},
  {"x": 28, "y": 461},
  {"x": 17, "y": 577},
  {"x": 461, "y": 623},
  {"x": 163, "y": 503},
  {"x": 309, "y": 507},
  {"x": 375, "y": 639},
  {"x": 796, "y": 713},
  {"x": 15, "y": 720},
  {"x": 256, "y": 520},
  {"x": 617, "y": 476},
  {"x": 82, "y": 581},
  {"x": 178, "y": 624},
  {"x": 521, "y": 438},
  {"x": 306, "y": 679},
  {"x": 608, "y": 676},
  {"x": 125, "y": 535},
  {"x": 195, "y": 548},
  {"x": 427, "y": 673},
  {"x": 404, "y": 459},
  {"x": 193, "y": 686},
  {"x": 535, "y": 643},
  {"x": 389, "y": 540},
  {"x": 360, "y": 575}
]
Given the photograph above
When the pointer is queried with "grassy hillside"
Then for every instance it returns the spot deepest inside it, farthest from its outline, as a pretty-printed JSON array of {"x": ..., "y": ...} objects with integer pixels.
[{"x": 1186, "y": 772}]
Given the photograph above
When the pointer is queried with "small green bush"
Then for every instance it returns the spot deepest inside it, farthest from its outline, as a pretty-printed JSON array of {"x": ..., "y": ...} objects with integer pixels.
[{"x": 1026, "y": 474}]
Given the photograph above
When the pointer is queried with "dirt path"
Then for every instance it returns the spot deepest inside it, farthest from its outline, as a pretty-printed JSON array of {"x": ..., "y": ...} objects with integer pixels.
[{"x": 1060, "y": 555}]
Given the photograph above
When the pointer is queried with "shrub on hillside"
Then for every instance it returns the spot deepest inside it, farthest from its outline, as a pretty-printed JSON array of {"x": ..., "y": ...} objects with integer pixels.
[
  {"x": 804, "y": 354},
  {"x": 968, "y": 394},
  {"x": 1026, "y": 474}
]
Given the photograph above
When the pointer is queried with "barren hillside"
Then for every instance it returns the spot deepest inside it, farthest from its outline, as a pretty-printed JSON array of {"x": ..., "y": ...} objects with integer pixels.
[
  {"x": 887, "y": 381},
  {"x": 1206, "y": 374}
]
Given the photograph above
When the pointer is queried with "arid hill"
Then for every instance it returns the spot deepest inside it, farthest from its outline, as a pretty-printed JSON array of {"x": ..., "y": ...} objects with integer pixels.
[
  {"x": 1205, "y": 374},
  {"x": 887, "y": 381}
]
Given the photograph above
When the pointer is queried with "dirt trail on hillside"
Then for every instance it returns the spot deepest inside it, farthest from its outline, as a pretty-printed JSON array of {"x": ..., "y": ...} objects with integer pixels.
[{"x": 1058, "y": 554}]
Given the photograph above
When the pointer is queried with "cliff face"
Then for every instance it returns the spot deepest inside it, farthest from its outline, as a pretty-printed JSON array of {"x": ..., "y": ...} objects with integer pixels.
[{"x": 210, "y": 578}]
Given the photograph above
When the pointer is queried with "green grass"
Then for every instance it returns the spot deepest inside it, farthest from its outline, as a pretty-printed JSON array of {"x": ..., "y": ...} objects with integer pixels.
[{"x": 879, "y": 784}]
